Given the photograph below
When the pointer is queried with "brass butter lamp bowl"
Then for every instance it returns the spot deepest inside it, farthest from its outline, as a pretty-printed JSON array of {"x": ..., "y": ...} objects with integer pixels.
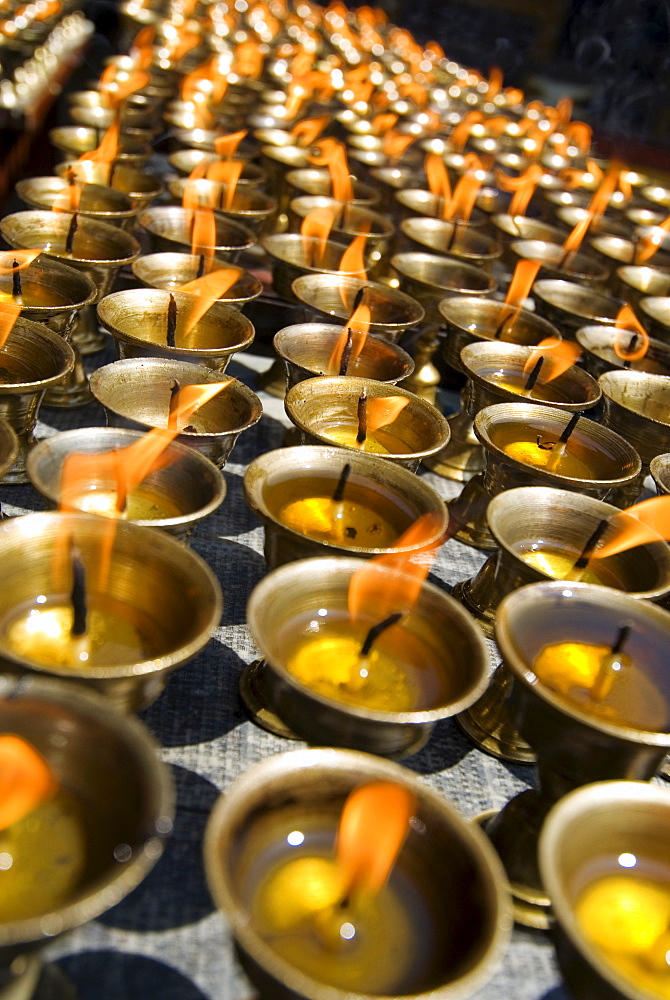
[
  {"x": 609, "y": 467},
  {"x": 380, "y": 501},
  {"x": 136, "y": 393},
  {"x": 577, "y": 740},
  {"x": 171, "y": 270},
  {"x": 324, "y": 410},
  {"x": 637, "y": 406},
  {"x": 446, "y": 862},
  {"x": 610, "y": 828},
  {"x": 108, "y": 766},
  {"x": 159, "y": 606},
  {"x": 391, "y": 312},
  {"x": 137, "y": 319},
  {"x": 436, "y": 629}
]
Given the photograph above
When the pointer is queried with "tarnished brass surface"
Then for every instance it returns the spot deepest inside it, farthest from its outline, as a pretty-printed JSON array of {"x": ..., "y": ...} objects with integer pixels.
[
  {"x": 637, "y": 406},
  {"x": 582, "y": 267},
  {"x": 453, "y": 239},
  {"x": 391, "y": 311},
  {"x": 150, "y": 573},
  {"x": 319, "y": 780},
  {"x": 430, "y": 278},
  {"x": 599, "y": 354},
  {"x": 569, "y": 306},
  {"x": 293, "y": 255},
  {"x": 136, "y": 393},
  {"x": 189, "y": 484},
  {"x": 171, "y": 270}
]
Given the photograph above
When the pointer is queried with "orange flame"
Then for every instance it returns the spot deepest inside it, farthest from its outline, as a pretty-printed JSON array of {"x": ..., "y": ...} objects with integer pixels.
[
  {"x": 116, "y": 90},
  {"x": 332, "y": 154},
  {"x": 26, "y": 780},
  {"x": 105, "y": 154},
  {"x": 626, "y": 347},
  {"x": 495, "y": 82},
  {"x": 648, "y": 521},
  {"x": 68, "y": 199},
  {"x": 395, "y": 592},
  {"x": 461, "y": 132},
  {"x": 380, "y": 124},
  {"x": 9, "y": 313},
  {"x": 358, "y": 324},
  {"x": 248, "y": 59},
  {"x": 557, "y": 356},
  {"x": 17, "y": 260},
  {"x": 524, "y": 275},
  {"x": 464, "y": 197},
  {"x": 394, "y": 144},
  {"x": 596, "y": 207},
  {"x": 649, "y": 244},
  {"x": 203, "y": 234},
  {"x": 353, "y": 258},
  {"x": 141, "y": 48},
  {"x": 226, "y": 172},
  {"x": 317, "y": 225},
  {"x": 383, "y": 410},
  {"x": 523, "y": 187},
  {"x": 189, "y": 399},
  {"x": 225, "y": 146},
  {"x": 214, "y": 285},
  {"x": 438, "y": 178},
  {"x": 125, "y": 468},
  {"x": 301, "y": 63},
  {"x": 373, "y": 827},
  {"x": 308, "y": 130}
]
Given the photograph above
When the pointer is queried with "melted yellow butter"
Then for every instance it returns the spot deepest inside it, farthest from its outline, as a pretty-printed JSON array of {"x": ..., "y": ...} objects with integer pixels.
[
  {"x": 561, "y": 462},
  {"x": 345, "y": 522},
  {"x": 627, "y": 918},
  {"x": 42, "y": 635},
  {"x": 332, "y": 666},
  {"x": 42, "y": 859}
]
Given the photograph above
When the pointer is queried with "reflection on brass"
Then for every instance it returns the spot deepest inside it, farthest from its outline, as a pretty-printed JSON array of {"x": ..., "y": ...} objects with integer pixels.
[{"x": 637, "y": 406}]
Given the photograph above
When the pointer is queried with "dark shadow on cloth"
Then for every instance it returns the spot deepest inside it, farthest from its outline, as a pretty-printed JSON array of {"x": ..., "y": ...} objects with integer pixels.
[
  {"x": 446, "y": 747},
  {"x": 234, "y": 516},
  {"x": 238, "y": 569},
  {"x": 175, "y": 892},
  {"x": 118, "y": 976},
  {"x": 200, "y": 702}
]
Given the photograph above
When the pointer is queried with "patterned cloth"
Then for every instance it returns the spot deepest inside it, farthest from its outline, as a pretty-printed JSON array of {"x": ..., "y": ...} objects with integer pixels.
[{"x": 166, "y": 939}]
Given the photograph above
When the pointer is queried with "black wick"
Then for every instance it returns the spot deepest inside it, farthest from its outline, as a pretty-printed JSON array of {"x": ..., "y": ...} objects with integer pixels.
[{"x": 377, "y": 630}]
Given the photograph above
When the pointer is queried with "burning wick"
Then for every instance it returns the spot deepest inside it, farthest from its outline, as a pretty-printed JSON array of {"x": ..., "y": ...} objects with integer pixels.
[
  {"x": 78, "y": 597},
  {"x": 558, "y": 448},
  {"x": 173, "y": 407},
  {"x": 362, "y": 418},
  {"x": 69, "y": 239},
  {"x": 16, "y": 279},
  {"x": 500, "y": 329},
  {"x": 377, "y": 630},
  {"x": 591, "y": 543},
  {"x": 201, "y": 266},
  {"x": 338, "y": 494},
  {"x": 346, "y": 353},
  {"x": 171, "y": 321},
  {"x": 452, "y": 238},
  {"x": 631, "y": 349},
  {"x": 610, "y": 665},
  {"x": 534, "y": 375}
]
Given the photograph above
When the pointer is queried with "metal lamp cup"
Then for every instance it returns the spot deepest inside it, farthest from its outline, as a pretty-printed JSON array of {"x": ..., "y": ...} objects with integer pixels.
[
  {"x": 151, "y": 575},
  {"x": 637, "y": 406},
  {"x": 306, "y": 348},
  {"x": 33, "y": 360},
  {"x": 96, "y": 201},
  {"x": 556, "y": 521},
  {"x": 136, "y": 393},
  {"x": 588, "y": 829},
  {"x": 98, "y": 250},
  {"x": 612, "y": 463},
  {"x": 170, "y": 229},
  {"x": 450, "y": 853},
  {"x": 575, "y": 746},
  {"x": 293, "y": 255},
  {"x": 570, "y": 306},
  {"x": 391, "y": 312},
  {"x": 452, "y": 239},
  {"x": 319, "y": 405},
  {"x": 171, "y": 270},
  {"x": 385, "y": 489},
  {"x": 185, "y": 490},
  {"x": 276, "y": 617},
  {"x": 109, "y": 763},
  {"x": 599, "y": 354},
  {"x": 137, "y": 320}
]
